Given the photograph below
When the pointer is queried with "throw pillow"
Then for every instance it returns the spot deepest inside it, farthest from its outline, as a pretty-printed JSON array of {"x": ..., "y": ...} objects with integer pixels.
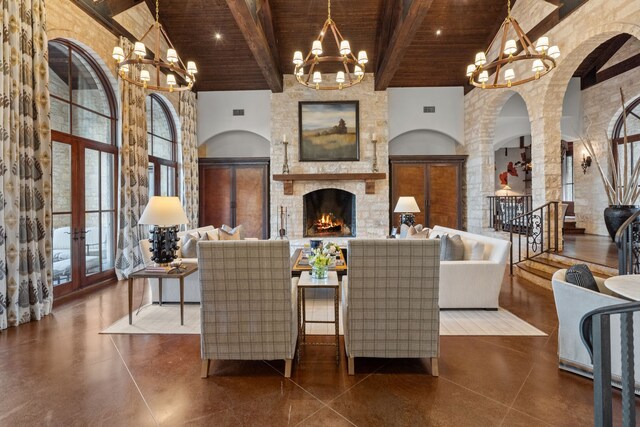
[
  {"x": 414, "y": 233},
  {"x": 580, "y": 275},
  {"x": 189, "y": 248},
  {"x": 213, "y": 234},
  {"x": 404, "y": 230},
  {"x": 451, "y": 248},
  {"x": 418, "y": 227},
  {"x": 227, "y": 233},
  {"x": 473, "y": 250}
]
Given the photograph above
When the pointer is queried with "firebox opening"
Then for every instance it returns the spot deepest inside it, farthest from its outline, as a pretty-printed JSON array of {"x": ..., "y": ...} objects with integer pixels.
[{"x": 329, "y": 212}]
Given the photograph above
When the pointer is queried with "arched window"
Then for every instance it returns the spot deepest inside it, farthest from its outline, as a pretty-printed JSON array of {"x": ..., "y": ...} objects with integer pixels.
[
  {"x": 84, "y": 167},
  {"x": 163, "y": 148},
  {"x": 632, "y": 113},
  {"x": 633, "y": 123}
]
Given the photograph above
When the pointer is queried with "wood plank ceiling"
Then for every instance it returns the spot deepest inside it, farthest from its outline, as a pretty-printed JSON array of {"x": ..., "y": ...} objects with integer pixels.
[{"x": 425, "y": 59}]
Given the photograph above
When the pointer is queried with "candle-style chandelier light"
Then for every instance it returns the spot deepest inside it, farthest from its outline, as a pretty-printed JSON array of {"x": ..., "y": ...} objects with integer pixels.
[
  {"x": 178, "y": 77},
  {"x": 350, "y": 70},
  {"x": 541, "y": 57}
]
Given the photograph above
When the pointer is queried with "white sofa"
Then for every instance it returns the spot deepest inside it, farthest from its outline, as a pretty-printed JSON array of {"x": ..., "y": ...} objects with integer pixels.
[
  {"x": 471, "y": 283},
  {"x": 573, "y": 302},
  {"x": 171, "y": 287}
]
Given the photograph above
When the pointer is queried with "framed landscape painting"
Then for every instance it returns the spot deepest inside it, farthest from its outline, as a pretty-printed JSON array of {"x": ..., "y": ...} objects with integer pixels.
[{"x": 328, "y": 131}]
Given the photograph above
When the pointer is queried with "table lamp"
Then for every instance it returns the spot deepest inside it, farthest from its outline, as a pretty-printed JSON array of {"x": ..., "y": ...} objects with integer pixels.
[
  {"x": 165, "y": 213},
  {"x": 406, "y": 207},
  {"x": 506, "y": 189}
]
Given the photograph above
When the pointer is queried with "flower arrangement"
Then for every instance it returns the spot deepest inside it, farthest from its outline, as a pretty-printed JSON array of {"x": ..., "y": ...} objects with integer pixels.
[
  {"x": 321, "y": 258},
  {"x": 332, "y": 248}
]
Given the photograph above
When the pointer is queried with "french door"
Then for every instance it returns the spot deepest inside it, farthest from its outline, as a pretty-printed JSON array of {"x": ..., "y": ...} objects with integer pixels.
[{"x": 84, "y": 212}]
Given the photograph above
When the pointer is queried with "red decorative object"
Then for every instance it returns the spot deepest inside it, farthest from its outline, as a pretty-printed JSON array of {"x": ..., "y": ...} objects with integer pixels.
[
  {"x": 503, "y": 178},
  {"x": 512, "y": 169}
]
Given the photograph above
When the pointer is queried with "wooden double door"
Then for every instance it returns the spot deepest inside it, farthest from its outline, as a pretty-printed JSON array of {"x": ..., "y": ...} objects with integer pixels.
[
  {"x": 234, "y": 192},
  {"x": 436, "y": 184}
]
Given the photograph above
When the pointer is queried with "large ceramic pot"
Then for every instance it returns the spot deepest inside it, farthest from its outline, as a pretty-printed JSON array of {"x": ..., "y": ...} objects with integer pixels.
[{"x": 615, "y": 216}]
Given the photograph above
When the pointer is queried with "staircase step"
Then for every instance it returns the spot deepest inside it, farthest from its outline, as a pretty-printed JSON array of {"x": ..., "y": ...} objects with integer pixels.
[
  {"x": 565, "y": 261},
  {"x": 569, "y": 224},
  {"x": 573, "y": 230},
  {"x": 535, "y": 276}
]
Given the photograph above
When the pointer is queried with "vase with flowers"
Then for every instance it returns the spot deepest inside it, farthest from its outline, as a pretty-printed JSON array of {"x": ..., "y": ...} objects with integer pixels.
[{"x": 320, "y": 260}]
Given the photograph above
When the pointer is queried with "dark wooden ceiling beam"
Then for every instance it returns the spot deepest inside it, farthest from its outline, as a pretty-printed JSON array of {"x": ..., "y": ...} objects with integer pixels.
[
  {"x": 245, "y": 13},
  {"x": 398, "y": 25},
  {"x": 617, "y": 69}
]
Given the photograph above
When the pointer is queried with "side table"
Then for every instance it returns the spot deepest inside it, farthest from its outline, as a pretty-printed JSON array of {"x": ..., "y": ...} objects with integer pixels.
[
  {"x": 185, "y": 271},
  {"x": 306, "y": 282}
]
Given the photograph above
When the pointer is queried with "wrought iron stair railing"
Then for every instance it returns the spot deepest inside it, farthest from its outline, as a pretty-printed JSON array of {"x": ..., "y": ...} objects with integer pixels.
[
  {"x": 540, "y": 228},
  {"x": 595, "y": 330},
  {"x": 628, "y": 244},
  {"x": 503, "y": 209}
]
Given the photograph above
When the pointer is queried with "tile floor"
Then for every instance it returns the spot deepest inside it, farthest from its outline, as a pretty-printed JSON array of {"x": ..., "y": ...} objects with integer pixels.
[{"x": 60, "y": 371}]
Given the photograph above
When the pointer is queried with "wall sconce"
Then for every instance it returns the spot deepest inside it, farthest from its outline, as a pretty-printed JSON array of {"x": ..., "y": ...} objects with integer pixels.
[{"x": 586, "y": 163}]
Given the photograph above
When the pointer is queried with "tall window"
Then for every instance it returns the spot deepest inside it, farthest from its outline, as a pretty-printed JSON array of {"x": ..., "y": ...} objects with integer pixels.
[
  {"x": 163, "y": 152},
  {"x": 83, "y": 121}
]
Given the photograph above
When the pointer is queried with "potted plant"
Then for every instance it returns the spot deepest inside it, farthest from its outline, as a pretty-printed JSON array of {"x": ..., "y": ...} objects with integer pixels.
[{"x": 621, "y": 185}]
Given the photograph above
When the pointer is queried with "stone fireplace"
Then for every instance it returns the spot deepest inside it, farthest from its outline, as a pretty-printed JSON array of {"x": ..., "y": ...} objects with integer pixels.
[
  {"x": 368, "y": 208},
  {"x": 329, "y": 212}
]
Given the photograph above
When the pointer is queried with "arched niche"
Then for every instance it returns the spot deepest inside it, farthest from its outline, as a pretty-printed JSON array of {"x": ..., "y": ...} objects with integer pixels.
[
  {"x": 237, "y": 143},
  {"x": 422, "y": 142}
]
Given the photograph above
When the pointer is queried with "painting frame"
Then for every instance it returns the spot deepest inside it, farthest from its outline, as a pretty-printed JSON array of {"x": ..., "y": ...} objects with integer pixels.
[{"x": 315, "y": 117}]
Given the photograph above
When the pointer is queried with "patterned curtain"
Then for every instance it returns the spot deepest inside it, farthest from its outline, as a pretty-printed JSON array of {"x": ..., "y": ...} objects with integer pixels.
[
  {"x": 189, "y": 167},
  {"x": 134, "y": 179},
  {"x": 26, "y": 292}
]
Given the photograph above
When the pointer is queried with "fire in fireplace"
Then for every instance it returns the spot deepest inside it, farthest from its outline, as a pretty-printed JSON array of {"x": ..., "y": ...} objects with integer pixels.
[{"x": 329, "y": 212}]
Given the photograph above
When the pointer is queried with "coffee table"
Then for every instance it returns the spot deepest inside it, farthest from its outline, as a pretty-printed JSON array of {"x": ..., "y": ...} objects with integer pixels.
[
  {"x": 306, "y": 282},
  {"x": 300, "y": 263},
  {"x": 185, "y": 270}
]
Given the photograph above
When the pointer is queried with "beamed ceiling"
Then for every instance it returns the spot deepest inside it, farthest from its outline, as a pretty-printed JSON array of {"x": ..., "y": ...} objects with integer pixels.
[{"x": 258, "y": 37}]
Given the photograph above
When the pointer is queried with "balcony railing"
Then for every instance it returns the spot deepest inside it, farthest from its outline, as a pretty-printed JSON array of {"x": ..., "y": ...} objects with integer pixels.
[
  {"x": 628, "y": 243},
  {"x": 503, "y": 209}
]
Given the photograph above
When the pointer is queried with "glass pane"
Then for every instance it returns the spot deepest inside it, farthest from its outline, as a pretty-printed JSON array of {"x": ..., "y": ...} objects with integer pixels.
[
  {"x": 91, "y": 126},
  {"x": 152, "y": 181},
  {"x": 92, "y": 243},
  {"x": 106, "y": 170},
  {"x": 633, "y": 122},
  {"x": 61, "y": 249},
  {"x": 163, "y": 148},
  {"x": 59, "y": 70},
  {"x": 60, "y": 115},
  {"x": 107, "y": 241},
  {"x": 87, "y": 89},
  {"x": 161, "y": 124},
  {"x": 167, "y": 181},
  {"x": 61, "y": 177},
  {"x": 91, "y": 180}
]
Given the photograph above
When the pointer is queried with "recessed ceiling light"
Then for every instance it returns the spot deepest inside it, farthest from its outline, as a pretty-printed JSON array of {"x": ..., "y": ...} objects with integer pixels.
[
  {"x": 438, "y": 32},
  {"x": 218, "y": 36}
]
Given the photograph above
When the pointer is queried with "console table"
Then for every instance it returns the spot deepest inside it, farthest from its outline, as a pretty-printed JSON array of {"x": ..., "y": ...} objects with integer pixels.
[{"x": 306, "y": 282}]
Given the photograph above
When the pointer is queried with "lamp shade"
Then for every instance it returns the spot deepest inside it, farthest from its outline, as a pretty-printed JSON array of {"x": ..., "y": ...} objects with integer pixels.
[
  {"x": 164, "y": 212},
  {"x": 510, "y": 47},
  {"x": 171, "y": 79},
  {"x": 554, "y": 52},
  {"x": 542, "y": 44},
  {"x": 118, "y": 54},
  {"x": 140, "y": 49},
  {"x": 345, "y": 48},
  {"x": 297, "y": 58},
  {"x": 406, "y": 204},
  {"x": 362, "y": 57},
  {"x": 509, "y": 74},
  {"x": 317, "y": 77},
  {"x": 172, "y": 55},
  {"x": 316, "y": 48},
  {"x": 144, "y": 76},
  {"x": 481, "y": 59},
  {"x": 340, "y": 77},
  {"x": 506, "y": 187}
]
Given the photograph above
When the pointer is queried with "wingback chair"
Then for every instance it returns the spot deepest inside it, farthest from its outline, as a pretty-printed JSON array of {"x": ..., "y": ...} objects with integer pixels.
[
  {"x": 248, "y": 301},
  {"x": 390, "y": 300}
]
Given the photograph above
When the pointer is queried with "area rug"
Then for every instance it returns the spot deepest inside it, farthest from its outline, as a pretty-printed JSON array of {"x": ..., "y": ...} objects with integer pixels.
[{"x": 153, "y": 319}]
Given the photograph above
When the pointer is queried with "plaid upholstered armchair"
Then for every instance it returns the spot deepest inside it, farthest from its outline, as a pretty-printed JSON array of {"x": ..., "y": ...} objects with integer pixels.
[
  {"x": 390, "y": 300},
  {"x": 248, "y": 309}
]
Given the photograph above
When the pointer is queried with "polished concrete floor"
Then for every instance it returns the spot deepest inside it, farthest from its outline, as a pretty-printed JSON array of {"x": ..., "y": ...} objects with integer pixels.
[{"x": 61, "y": 371}]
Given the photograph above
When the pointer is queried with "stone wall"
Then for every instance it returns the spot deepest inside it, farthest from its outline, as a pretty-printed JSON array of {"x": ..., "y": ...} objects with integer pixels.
[
  {"x": 598, "y": 20},
  {"x": 372, "y": 210}
]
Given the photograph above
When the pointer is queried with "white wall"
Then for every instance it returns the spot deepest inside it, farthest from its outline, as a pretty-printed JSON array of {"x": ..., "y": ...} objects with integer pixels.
[
  {"x": 502, "y": 159},
  {"x": 512, "y": 123},
  {"x": 406, "y": 111},
  {"x": 571, "y": 124},
  {"x": 237, "y": 143},
  {"x": 215, "y": 113}
]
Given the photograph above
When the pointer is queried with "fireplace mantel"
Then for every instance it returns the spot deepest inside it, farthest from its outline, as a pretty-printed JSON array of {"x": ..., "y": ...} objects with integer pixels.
[{"x": 368, "y": 178}]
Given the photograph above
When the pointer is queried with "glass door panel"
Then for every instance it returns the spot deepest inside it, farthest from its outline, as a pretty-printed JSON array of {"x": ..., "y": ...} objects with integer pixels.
[
  {"x": 107, "y": 241},
  {"x": 92, "y": 243},
  {"x": 167, "y": 181},
  {"x": 61, "y": 213}
]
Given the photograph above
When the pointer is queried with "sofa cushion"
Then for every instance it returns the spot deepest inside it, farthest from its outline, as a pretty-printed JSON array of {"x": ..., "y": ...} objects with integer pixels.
[
  {"x": 451, "y": 248},
  {"x": 189, "y": 247},
  {"x": 473, "y": 250},
  {"x": 227, "y": 233},
  {"x": 213, "y": 234},
  {"x": 580, "y": 275},
  {"x": 404, "y": 230}
]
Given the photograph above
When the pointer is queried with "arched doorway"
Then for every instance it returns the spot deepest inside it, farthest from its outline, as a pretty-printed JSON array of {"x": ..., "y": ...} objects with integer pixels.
[{"x": 84, "y": 168}]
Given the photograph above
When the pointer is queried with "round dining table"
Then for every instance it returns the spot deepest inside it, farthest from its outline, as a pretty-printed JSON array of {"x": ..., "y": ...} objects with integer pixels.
[{"x": 627, "y": 286}]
